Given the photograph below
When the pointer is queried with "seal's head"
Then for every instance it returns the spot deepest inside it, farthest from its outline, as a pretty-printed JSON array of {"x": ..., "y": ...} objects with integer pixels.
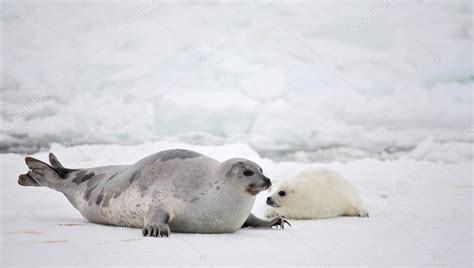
[{"x": 246, "y": 174}]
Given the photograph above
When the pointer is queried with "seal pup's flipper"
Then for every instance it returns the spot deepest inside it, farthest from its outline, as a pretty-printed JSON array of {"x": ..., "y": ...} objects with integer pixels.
[
  {"x": 156, "y": 223},
  {"x": 254, "y": 221}
]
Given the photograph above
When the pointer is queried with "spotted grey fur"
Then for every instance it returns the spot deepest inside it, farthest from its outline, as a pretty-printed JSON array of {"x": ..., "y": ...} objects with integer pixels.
[
  {"x": 82, "y": 176},
  {"x": 134, "y": 176},
  {"x": 178, "y": 153}
]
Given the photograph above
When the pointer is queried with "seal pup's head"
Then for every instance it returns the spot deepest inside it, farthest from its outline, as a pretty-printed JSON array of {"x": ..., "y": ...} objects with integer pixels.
[
  {"x": 285, "y": 195},
  {"x": 246, "y": 174}
]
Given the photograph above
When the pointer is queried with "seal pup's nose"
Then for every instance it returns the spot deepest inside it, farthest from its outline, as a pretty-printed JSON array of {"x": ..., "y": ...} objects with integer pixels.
[{"x": 269, "y": 201}]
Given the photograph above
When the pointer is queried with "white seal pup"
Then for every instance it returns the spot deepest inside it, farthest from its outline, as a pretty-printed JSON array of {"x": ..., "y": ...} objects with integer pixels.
[
  {"x": 174, "y": 190},
  {"x": 314, "y": 194}
]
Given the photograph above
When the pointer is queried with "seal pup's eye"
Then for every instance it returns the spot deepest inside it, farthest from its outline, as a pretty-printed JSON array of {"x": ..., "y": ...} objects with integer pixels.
[
  {"x": 281, "y": 193},
  {"x": 248, "y": 173}
]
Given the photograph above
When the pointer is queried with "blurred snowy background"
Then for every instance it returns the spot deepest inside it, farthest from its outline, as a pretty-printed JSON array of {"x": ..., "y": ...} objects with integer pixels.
[{"x": 304, "y": 81}]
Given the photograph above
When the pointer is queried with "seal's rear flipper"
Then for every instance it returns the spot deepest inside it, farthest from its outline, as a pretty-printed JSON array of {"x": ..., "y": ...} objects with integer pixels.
[
  {"x": 53, "y": 160},
  {"x": 60, "y": 169},
  {"x": 27, "y": 180},
  {"x": 40, "y": 174}
]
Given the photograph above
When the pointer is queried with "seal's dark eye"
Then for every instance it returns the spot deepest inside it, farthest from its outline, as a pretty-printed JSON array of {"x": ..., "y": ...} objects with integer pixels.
[
  {"x": 281, "y": 193},
  {"x": 248, "y": 173}
]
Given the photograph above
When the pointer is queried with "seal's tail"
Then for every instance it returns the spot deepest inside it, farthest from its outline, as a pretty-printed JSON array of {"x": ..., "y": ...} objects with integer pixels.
[{"x": 42, "y": 174}]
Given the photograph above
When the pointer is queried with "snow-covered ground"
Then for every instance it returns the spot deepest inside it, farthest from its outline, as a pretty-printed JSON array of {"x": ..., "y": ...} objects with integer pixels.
[{"x": 420, "y": 214}]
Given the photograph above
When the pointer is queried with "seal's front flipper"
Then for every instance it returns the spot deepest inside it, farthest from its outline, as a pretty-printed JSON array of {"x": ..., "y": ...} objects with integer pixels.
[
  {"x": 156, "y": 230},
  {"x": 156, "y": 223},
  {"x": 254, "y": 221}
]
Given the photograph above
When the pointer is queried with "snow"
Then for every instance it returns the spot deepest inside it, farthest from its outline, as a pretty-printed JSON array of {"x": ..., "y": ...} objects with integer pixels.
[
  {"x": 296, "y": 81},
  {"x": 420, "y": 214}
]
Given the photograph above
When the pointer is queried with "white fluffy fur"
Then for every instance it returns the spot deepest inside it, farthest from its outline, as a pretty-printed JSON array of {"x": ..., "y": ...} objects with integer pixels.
[{"x": 314, "y": 194}]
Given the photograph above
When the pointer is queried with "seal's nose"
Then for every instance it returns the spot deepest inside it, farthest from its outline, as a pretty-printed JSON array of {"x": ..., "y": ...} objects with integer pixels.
[{"x": 267, "y": 181}]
